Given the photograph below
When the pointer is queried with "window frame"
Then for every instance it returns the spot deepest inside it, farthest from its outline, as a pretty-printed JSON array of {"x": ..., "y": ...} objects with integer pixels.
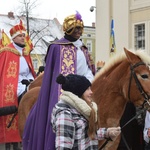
[{"x": 89, "y": 45}]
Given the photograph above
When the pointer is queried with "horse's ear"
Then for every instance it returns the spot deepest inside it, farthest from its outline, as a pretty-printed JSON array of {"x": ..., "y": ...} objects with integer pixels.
[{"x": 132, "y": 58}]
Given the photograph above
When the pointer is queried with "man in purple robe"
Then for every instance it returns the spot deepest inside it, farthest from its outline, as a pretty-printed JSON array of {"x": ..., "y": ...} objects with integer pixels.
[{"x": 65, "y": 56}]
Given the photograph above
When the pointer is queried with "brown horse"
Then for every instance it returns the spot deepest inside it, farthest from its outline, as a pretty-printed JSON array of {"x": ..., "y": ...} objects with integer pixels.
[
  {"x": 114, "y": 85},
  {"x": 124, "y": 78},
  {"x": 28, "y": 101}
]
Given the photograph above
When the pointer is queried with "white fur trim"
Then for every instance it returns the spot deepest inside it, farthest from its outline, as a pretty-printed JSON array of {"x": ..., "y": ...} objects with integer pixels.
[
  {"x": 78, "y": 103},
  {"x": 17, "y": 33}
]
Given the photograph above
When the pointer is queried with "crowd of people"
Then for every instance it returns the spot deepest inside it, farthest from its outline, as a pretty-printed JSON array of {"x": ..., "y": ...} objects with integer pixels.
[{"x": 64, "y": 116}]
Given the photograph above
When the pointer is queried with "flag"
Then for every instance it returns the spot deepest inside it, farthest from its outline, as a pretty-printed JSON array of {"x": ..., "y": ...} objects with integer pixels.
[
  {"x": 28, "y": 42},
  {"x": 0, "y": 39},
  {"x": 112, "y": 39},
  {"x": 5, "y": 40}
]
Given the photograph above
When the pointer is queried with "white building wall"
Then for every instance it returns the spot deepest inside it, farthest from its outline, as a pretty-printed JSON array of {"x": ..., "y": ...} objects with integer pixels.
[
  {"x": 105, "y": 11},
  {"x": 121, "y": 24},
  {"x": 102, "y": 29},
  {"x": 140, "y": 13},
  {"x": 126, "y": 14}
]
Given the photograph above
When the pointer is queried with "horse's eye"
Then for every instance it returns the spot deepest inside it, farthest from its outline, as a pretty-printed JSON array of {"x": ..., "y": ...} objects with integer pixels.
[{"x": 144, "y": 76}]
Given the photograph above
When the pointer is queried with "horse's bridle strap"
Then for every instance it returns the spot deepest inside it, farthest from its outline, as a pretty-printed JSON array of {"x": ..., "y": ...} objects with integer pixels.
[{"x": 143, "y": 93}]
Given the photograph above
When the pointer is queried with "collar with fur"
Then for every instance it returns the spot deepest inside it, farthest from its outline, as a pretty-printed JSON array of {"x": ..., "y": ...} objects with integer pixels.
[{"x": 79, "y": 104}]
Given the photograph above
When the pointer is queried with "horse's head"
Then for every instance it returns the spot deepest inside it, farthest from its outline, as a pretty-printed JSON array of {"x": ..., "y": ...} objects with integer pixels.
[
  {"x": 125, "y": 77},
  {"x": 139, "y": 78}
]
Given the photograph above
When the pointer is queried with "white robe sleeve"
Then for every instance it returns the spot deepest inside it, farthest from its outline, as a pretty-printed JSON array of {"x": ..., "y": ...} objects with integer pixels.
[{"x": 147, "y": 125}]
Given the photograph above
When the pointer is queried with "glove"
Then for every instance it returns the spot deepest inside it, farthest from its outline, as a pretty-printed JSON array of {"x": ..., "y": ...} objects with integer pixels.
[
  {"x": 26, "y": 82},
  {"x": 113, "y": 132}
]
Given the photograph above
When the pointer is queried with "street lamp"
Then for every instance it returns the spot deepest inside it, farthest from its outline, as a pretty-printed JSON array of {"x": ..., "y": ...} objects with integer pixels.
[{"x": 92, "y": 8}]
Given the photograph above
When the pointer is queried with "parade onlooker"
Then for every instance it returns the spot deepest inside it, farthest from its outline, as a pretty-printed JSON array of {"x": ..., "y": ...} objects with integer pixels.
[
  {"x": 74, "y": 117},
  {"x": 41, "y": 69}
]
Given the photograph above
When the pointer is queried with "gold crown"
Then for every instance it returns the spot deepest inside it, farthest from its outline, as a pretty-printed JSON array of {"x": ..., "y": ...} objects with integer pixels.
[{"x": 71, "y": 22}]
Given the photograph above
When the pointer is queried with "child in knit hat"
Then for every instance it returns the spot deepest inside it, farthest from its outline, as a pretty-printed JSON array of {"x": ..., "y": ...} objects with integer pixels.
[{"x": 74, "y": 117}]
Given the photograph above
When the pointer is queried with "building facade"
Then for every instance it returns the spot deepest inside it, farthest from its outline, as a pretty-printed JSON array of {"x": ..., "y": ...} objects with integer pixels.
[
  {"x": 131, "y": 26},
  {"x": 88, "y": 38}
]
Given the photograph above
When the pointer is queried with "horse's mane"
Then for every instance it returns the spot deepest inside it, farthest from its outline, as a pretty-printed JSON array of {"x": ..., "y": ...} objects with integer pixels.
[
  {"x": 112, "y": 62},
  {"x": 118, "y": 58},
  {"x": 144, "y": 56}
]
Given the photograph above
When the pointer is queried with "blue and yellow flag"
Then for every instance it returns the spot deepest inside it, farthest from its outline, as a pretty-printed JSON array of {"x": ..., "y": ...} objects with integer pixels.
[{"x": 112, "y": 39}]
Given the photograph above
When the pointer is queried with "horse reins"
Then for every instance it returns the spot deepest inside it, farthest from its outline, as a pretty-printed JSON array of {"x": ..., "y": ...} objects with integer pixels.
[
  {"x": 143, "y": 93},
  {"x": 109, "y": 139}
]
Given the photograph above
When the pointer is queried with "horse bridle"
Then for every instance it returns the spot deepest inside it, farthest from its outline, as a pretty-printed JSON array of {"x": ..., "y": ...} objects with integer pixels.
[
  {"x": 140, "y": 88},
  {"x": 143, "y": 93}
]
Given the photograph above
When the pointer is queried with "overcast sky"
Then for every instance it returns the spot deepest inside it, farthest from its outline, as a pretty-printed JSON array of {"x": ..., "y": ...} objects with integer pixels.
[{"x": 48, "y": 9}]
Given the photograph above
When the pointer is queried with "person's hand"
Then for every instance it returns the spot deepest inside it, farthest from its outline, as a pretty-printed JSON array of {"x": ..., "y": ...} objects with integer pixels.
[
  {"x": 25, "y": 82},
  {"x": 113, "y": 132},
  {"x": 100, "y": 64}
]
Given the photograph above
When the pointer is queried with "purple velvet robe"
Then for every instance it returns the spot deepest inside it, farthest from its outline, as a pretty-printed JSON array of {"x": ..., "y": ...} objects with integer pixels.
[{"x": 61, "y": 58}]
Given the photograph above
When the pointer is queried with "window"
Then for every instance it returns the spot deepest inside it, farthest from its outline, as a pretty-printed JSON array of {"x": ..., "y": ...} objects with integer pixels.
[
  {"x": 35, "y": 63},
  {"x": 139, "y": 36},
  {"x": 88, "y": 35},
  {"x": 89, "y": 45}
]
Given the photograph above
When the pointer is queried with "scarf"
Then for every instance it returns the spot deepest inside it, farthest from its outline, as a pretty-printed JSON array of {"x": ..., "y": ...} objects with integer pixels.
[{"x": 79, "y": 104}]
